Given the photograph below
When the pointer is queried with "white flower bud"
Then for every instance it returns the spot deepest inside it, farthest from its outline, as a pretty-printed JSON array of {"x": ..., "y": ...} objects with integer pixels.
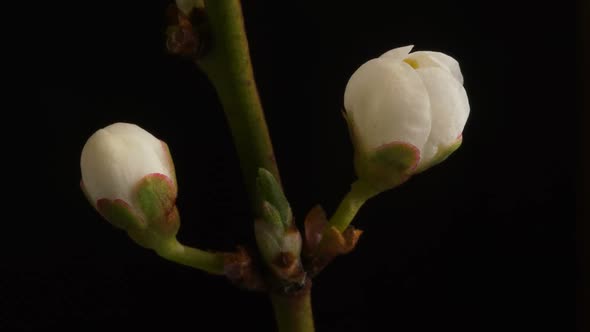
[
  {"x": 413, "y": 101},
  {"x": 116, "y": 157},
  {"x": 128, "y": 176}
]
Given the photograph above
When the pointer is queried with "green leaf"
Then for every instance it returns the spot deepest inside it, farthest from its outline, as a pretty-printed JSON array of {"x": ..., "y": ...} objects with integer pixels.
[
  {"x": 270, "y": 191},
  {"x": 272, "y": 216}
]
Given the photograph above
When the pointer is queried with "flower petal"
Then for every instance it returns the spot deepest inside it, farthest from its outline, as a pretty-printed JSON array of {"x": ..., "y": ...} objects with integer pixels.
[
  {"x": 137, "y": 135},
  {"x": 441, "y": 155},
  {"x": 397, "y": 54},
  {"x": 450, "y": 110},
  {"x": 424, "y": 59},
  {"x": 386, "y": 101},
  {"x": 115, "y": 158}
]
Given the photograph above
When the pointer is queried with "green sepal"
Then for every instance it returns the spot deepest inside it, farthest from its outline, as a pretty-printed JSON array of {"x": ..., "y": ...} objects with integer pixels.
[
  {"x": 388, "y": 166},
  {"x": 155, "y": 197},
  {"x": 153, "y": 220},
  {"x": 270, "y": 191},
  {"x": 159, "y": 236},
  {"x": 441, "y": 155},
  {"x": 169, "y": 227},
  {"x": 120, "y": 214}
]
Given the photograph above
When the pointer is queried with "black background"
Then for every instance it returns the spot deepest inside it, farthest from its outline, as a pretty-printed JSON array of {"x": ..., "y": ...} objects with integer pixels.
[{"x": 484, "y": 242}]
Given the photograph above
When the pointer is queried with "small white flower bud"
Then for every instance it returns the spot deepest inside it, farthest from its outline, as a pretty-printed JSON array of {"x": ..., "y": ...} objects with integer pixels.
[
  {"x": 116, "y": 157},
  {"x": 128, "y": 176}
]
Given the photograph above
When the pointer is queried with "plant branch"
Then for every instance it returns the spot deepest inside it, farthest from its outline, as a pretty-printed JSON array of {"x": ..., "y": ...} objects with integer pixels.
[
  {"x": 228, "y": 66},
  {"x": 200, "y": 259},
  {"x": 293, "y": 311}
]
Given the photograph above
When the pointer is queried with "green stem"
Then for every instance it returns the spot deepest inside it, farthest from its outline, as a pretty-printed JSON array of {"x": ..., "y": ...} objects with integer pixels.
[
  {"x": 228, "y": 66},
  {"x": 193, "y": 257},
  {"x": 293, "y": 311},
  {"x": 359, "y": 193}
]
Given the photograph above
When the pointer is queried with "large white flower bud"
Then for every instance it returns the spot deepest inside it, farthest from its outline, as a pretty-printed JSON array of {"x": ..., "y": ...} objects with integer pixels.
[
  {"x": 128, "y": 176},
  {"x": 406, "y": 112}
]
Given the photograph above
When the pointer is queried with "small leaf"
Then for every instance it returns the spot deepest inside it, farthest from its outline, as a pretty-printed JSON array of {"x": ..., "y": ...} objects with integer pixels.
[
  {"x": 270, "y": 190},
  {"x": 272, "y": 216}
]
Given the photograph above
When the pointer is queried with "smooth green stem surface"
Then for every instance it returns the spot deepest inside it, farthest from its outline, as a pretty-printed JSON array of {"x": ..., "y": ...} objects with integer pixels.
[
  {"x": 203, "y": 260},
  {"x": 293, "y": 312},
  {"x": 359, "y": 193},
  {"x": 228, "y": 66}
]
